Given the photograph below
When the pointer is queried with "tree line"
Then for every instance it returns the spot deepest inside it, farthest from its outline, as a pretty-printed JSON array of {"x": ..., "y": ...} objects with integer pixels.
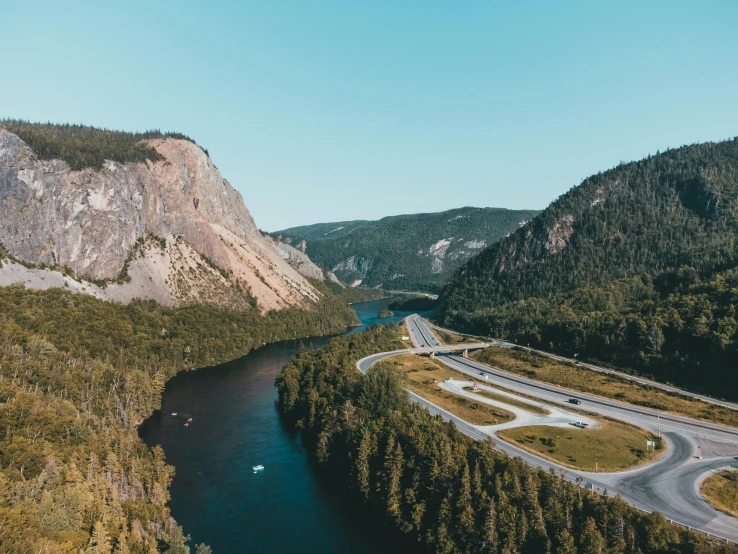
[
  {"x": 447, "y": 491},
  {"x": 77, "y": 375},
  {"x": 85, "y": 147}
]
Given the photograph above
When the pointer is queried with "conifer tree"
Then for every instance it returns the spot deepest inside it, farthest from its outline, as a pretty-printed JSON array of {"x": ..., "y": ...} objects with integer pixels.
[
  {"x": 100, "y": 540},
  {"x": 565, "y": 543},
  {"x": 363, "y": 471}
]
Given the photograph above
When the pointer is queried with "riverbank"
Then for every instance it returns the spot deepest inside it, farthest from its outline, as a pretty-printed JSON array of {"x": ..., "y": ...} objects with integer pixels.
[{"x": 215, "y": 495}]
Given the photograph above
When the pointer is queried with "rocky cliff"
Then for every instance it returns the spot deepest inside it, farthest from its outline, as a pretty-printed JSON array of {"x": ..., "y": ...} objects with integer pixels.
[{"x": 173, "y": 230}]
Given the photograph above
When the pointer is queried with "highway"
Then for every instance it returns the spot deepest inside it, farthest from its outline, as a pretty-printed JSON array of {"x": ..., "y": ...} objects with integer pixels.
[
  {"x": 600, "y": 369},
  {"x": 669, "y": 485}
]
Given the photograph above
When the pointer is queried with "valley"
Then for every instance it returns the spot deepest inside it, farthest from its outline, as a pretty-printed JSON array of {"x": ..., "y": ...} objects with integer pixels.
[
  {"x": 369, "y": 277},
  {"x": 416, "y": 252},
  {"x": 166, "y": 271}
]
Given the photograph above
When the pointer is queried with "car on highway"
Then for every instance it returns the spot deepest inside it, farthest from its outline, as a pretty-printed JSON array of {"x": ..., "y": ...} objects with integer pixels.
[
  {"x": 447, "y": 380},
  {"x": 574, "y": 401}
]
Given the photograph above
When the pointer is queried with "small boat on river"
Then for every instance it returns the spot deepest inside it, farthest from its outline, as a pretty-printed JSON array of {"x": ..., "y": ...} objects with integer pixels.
[{"x": 258, "y": 468}]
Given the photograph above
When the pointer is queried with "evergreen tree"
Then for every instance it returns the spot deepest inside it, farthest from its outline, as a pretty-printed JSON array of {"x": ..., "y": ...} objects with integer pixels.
[
  {"x": 591, "y": 541},
  {"x": 565, "y": 543},
  {"x": 100, "y": 540},
  {"x": 362, "y": 464}
]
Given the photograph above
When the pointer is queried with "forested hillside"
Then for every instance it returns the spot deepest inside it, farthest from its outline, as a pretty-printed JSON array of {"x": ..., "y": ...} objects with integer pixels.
[
  {"x": 440, "y": 487},
  {"x": 77, "y": 375},
  {"x": 406, "y": 252},
  {"x": 635, "y": 267},
  {"x": 86, "y": 147}
]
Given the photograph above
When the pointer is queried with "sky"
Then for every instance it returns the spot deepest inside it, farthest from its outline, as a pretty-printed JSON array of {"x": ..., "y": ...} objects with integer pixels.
[{"x": 328, "y": 111}]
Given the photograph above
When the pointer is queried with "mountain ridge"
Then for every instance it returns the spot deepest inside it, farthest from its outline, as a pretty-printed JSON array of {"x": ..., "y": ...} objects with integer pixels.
[
  {"x": 179, "y": 230},
  {"x": 403, "y": 252},
  {"x": 636, "y": 268}
]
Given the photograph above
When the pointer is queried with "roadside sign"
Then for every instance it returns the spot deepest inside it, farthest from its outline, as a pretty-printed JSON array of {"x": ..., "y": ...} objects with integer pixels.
[{"x": 650, "y": 443}]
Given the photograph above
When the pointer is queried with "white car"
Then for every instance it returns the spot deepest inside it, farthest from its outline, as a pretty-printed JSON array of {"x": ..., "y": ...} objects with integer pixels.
[{"x": 447, "y": 380}]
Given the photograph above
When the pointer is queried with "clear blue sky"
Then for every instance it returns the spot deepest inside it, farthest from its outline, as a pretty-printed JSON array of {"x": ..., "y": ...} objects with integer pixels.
[{"x": 323, "y": 111}]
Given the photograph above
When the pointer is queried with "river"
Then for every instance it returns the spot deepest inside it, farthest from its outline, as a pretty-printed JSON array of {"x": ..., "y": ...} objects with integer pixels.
[{"x": 216, "y": 496}]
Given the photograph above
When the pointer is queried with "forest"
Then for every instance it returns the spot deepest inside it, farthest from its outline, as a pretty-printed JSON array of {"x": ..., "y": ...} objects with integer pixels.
[
  {"x": 84, "y": 147},
  {"x": 416, "y": 252},
  {"x": 77, "y": 375},
  {"x": 634, "y": 268},
  {"x": 452, "y": 494},
  {"x": 412, "y": 303}
]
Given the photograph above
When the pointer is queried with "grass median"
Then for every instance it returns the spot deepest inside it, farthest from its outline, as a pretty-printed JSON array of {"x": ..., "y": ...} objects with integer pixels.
[
  {"x": 452, "y": 338},
  {"x": 721, "y": 490},
  {"x": 508, "y": 400},
  {"x": 423, "y": 376},
  {"x": 568, "y": 375},
  {"x": 612, "y": 446}
]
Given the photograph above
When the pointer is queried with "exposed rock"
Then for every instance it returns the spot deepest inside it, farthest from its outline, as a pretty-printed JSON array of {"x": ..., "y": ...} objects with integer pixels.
[
  {"x": 333, "y": 279},
  {"x": 439, "y": 248},
  {"x": 356, "y": 264},
  {"x": 475, "y": 244},
  {"x": 210, "y": 249},
  {"x": 559, "y": 234},
  {"x": 297, "y": 259}
]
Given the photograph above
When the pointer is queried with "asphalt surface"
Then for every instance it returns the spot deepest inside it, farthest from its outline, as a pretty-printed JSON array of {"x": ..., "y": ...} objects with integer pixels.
[
  {"x": 669, "y": 485},
  {"x": 600, "y": 369}
]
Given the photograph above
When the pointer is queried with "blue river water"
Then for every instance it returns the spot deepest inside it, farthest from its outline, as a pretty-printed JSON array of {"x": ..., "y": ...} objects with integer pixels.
[{"x": 289, "y": 507}]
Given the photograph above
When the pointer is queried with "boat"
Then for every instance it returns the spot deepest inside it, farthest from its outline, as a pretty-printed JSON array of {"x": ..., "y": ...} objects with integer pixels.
[
  {"x": 174, "y": 413},
  {"x": 258, "y": 468}
]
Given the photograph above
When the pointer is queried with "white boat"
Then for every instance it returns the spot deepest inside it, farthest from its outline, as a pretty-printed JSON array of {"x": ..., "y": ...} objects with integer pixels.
[{"x": 258, "y": 468}]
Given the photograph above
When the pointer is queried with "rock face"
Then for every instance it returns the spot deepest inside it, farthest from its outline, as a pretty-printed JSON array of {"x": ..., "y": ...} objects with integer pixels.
[{"x": 180, "y": 229}]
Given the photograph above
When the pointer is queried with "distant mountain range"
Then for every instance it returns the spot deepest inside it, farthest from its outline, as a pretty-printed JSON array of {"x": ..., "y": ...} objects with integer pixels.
[
  {"x": 635, "y": 267},
  {"x": 405, "y": 252}
]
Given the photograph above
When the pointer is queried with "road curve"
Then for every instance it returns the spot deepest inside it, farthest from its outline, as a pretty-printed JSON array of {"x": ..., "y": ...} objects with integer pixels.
[{"x": 669, "y": 485}]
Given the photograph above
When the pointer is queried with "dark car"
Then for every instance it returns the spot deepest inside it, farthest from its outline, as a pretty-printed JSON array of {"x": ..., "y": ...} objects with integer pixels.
[{"x": 574, "y": 401}]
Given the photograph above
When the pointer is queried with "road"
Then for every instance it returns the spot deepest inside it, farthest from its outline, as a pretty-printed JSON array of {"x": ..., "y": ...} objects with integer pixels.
[
  {"x": 669, "y": 485},
  {"x": 600, "y": 369}
]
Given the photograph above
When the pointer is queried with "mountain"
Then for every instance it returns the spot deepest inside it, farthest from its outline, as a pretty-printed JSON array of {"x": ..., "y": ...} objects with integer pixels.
[
  {"x": 636, "y": 267},
  {"x": 404, "y": 252},
  {"x": 125, "y": 215}
]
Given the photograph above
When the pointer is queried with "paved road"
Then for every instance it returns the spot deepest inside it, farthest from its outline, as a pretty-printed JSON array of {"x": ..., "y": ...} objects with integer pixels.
[
  {"x": 642, "y": 380},
  {"x": 669, "y": 485}
]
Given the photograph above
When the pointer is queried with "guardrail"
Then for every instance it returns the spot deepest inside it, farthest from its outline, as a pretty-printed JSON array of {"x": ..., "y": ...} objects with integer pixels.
[{"x": 582, "y": 483}]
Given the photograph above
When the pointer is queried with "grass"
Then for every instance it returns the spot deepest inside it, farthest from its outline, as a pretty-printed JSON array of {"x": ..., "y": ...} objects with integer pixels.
[
  {"x": 721, "y": 490},
  {"x": 613, "y": 446},
  {"x": 403, "y": 332},
  {"x": 568, "y": 375},
  {"x": 512, "y": 401},
  {"x": 423, "y": 376},
  {"x": 453, "y": 338}
]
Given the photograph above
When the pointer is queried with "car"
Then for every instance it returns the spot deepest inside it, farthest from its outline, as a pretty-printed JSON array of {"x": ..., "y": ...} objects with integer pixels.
[
  {"x": 482, "y": 373},
  {"x": 447, "y": 380},
  {"x": 574, "y": 401}
]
